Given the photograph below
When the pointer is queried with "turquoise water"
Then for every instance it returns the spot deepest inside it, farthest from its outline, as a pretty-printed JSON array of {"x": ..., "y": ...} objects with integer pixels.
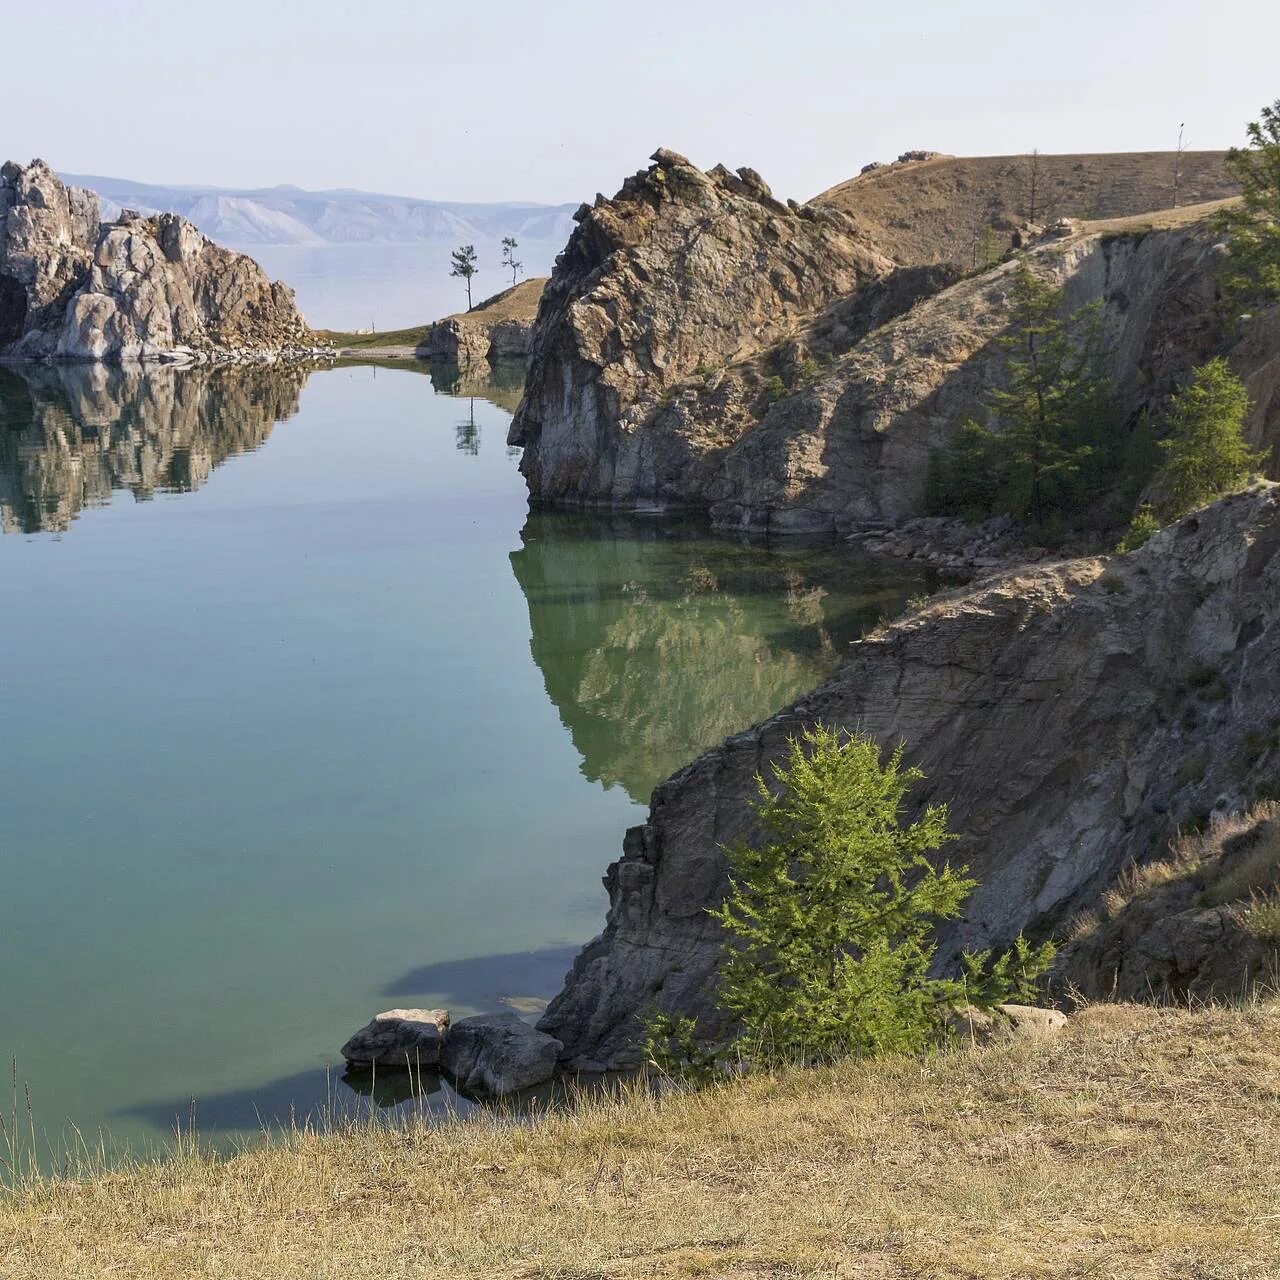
[{"x": 307, "y": 716}]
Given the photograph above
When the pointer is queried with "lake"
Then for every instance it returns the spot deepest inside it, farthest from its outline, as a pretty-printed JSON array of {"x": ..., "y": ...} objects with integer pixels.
[
  {"x": 308, "y": 716},
  {"x": 389, "y": 286}
]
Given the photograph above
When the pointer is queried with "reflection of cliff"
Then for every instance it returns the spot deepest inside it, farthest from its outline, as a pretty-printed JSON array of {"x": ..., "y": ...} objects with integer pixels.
[
  {"x": 656, "y": 643},
  {"x": 501, "y": 383},
  {"x": 70, "y": 434}
]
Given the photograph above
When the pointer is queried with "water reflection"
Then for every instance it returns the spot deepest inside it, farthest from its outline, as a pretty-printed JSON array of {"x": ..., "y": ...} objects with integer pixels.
[
  {"x": 655, "y": 641},
  {"x": 71, "y": 434}
]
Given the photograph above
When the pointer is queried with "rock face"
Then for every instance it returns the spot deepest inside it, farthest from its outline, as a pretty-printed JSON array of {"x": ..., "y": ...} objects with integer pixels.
[
  {"x": 140, "y": 289},
  {"x": 691, "y": 352},
  {"x": 498, "y": 329},
  {"x": 1201, "y": 923},
  {"x": 681, "y": 271},
  {"x": 399, "y": 1040},
  {"x": 494, "y": 1054},
  {"x": 1073, "y": 716}
]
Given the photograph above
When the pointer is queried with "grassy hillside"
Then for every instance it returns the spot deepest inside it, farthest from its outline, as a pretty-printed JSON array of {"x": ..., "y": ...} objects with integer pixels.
[
  {"x": 1140, "y": 1143},
  {"x": 931, "y": 210}
]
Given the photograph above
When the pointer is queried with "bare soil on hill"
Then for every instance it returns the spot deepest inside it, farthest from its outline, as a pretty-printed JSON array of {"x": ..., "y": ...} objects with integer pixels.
[{"x": 928, "y": 211}]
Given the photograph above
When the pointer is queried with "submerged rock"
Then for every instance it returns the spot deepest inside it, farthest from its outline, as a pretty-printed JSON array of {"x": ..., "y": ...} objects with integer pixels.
[
  {"x": 494, "y": 1054},
  {"x": 399, "y": 1040},
  {"x": 139, "y": 289}
]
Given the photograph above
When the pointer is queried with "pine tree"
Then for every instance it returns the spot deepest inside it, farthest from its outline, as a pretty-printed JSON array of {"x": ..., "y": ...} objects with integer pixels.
[
  {"x": 509, "y": 247},
  {"x": 829, "y": 921},
  {"x": 1206, "y": 452},
  {"x": 464, "y": 266},
  {"x": 1053, "y": 442},
  {"x": 1251, "y": 273}
]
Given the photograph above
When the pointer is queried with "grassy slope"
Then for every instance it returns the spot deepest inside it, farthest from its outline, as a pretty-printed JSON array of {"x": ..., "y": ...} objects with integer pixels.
[
  {"x": 930, "y": 211},
  {"x": 518, "y": 303},
  {"x": 1140, "y": 1143}
]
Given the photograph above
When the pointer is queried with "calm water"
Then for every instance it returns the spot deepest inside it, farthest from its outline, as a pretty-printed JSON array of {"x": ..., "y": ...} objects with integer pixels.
[
  {"x": 307, "y": 717},
  {"x": 389, "y": 286}
]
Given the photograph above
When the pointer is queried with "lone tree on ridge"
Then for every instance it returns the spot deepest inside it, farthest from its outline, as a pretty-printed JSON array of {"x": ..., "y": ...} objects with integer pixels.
[
  {"x": 509, "y": 247},
  {"x": 464, "y": 266}
]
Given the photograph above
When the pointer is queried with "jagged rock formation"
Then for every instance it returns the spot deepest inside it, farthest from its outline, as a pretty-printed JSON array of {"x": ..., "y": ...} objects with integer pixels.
[
  {"x": 139, "y": 289},
  {"x": 681, "y": 271},
  {"x": 928, "y": 208},
  {"x": 499, "y": 328},
  {"x": 71, "y": 434},
  {"x": 1074, "y": 716},
  {"x": 823, "y": 418}
]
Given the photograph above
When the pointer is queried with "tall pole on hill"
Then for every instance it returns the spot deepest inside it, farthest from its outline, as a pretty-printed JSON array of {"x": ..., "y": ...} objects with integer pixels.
[
  {"x": 1034, "y": 179},
  {"x": 1177, "y": 166}
]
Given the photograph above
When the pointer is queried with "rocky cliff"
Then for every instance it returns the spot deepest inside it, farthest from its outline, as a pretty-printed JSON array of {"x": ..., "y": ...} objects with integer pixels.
[
  {"x": 71, "y": 434},
  {"x": 681, "y": 272},
  {"x": 701, "y": 345},
  {"x": 496, "y": 330},
  {"x": 1074, "y": 717},
  {"x": 139, "y": 289}
]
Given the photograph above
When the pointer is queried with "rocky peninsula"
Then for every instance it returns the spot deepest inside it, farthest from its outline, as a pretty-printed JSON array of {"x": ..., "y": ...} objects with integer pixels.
[{"x": 137, "y": 290}]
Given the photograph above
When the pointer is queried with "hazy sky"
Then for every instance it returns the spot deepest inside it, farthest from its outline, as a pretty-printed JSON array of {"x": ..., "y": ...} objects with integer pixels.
[{"x": 558, "y": 99}]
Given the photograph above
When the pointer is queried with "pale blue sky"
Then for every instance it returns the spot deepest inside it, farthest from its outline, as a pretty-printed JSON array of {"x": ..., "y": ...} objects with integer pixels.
[{"x": 554, "y": 100}]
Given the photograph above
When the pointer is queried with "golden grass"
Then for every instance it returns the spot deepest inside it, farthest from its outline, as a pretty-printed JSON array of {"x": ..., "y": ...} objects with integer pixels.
[{"x": 1141, "y": 1143}]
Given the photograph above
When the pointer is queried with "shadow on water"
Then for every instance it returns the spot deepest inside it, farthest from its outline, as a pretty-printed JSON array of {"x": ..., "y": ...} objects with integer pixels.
[{"x": 519, "y": 979}]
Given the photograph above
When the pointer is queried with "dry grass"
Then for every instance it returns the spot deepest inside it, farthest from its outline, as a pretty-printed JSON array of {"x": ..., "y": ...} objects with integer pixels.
[{"x": 1140, "y": 1143}]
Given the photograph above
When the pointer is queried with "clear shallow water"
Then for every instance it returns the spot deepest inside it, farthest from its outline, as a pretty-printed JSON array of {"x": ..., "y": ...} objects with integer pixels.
[{"x": 306, "y": 717}]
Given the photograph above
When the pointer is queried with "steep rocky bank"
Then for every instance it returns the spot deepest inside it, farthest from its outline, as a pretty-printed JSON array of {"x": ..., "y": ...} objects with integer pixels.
[
  {"x": 681, "y": 272},
  {"x": 819, "y": 410},
  {"x": 1074, "y": 716},
  {"x": 137, "y": 290}
]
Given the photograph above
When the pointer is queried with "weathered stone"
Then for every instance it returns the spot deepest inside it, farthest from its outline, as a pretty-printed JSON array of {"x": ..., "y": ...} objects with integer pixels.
[
  {"x": 1060, "y": 711},
  {"x": 494, "y": 1054},
  {"x": 1004, "y": 1022},
  {"x": 139, "y": 289},
  {"x": 399, "y": 1040},
  {"x": 681, "y": 270},
  {"x": 499, "y": 328}
]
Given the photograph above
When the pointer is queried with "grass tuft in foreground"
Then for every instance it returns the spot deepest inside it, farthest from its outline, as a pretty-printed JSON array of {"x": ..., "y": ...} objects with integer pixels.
[{"x": 1140, "y": 1143}]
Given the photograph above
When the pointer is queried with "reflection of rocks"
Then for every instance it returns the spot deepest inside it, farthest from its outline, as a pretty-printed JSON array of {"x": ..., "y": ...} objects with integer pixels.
[
  {"x": 652, "y": 653},
  {"x": 501, "y": 384},
  {"x": 70, "y": 434}
]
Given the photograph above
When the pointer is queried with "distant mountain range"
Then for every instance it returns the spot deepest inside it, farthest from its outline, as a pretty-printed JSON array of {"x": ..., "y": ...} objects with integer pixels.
[{"x": 290, "y": 216}]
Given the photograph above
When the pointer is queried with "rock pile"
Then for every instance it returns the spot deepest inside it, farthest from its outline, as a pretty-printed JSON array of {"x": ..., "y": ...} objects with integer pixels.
[{"x": 487, "y": 1056}]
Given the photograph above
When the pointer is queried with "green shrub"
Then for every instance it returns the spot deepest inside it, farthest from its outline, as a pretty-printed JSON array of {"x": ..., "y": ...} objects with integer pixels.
[
  {"x": 829, "y": 921},
  {"x": 775, "y": 389},
  {"x": 1140, "y": 529}
]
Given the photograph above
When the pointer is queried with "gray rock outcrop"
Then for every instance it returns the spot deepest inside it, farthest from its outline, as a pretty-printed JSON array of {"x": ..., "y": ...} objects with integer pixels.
[
  {"x": 698, "y": 348},
  {"x": 494, "y": 1054},
  {"x": 496, "y": 330},
  {"x": 399, "y": 1040},
  {"x": 681, "y": 271},
  {"x": 1074, "y": 716},
  {"x": 137, "y": 290}
]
